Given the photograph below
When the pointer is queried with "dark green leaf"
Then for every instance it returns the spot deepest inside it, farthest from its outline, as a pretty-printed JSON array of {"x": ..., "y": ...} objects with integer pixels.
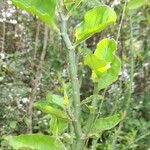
[{"x": 107, "y": 123}]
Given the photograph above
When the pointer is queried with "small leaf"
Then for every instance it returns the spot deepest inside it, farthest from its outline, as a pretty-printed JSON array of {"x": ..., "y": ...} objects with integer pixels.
[
  {"x": 105, "y": 65},
  {"x": 57, "y": 99},
  {"x": 135, "y": 4},
  {"x": 110, "y": 76},
  {"x": 95, "y": 21},
  {"x": 107, "y": 123},
  {"x": 45, "y": 10},
  {"x": 97, "y": 64},
  {"x": 58, "y": 126},
  {"x": 35, "y": 141},
  {"x": 106, "y": 50},
  {"x": 72, "y": 4},
  {"x": 52, "y": 105},
  {"x": 51, "y": 108}
]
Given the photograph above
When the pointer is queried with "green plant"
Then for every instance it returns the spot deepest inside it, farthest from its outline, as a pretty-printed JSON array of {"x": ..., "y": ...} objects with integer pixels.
[{"x": 69, "y": 126}]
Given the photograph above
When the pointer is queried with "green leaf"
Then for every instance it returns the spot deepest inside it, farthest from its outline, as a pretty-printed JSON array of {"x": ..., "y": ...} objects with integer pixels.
[
  {"x": 35, "y": 141},
  {"x": 110, "y": 76},
  {"x": 106, "y": 50},
  {"x": 104, "y": 63},
  {"x": 72, "y": 4},
  {"x": 52, "y": 105},
  {"x": 95, "y": 63},
  {"x": 58, "y": 126},
  {"x": 44, "y": 9},
  {"x": 95, "y": 21},
  {"x": 107, "y": 123},
  {"x": 57, "y": 99},
  {"x": 135, "y": 4},
  {"x": 51, "y": 108}
]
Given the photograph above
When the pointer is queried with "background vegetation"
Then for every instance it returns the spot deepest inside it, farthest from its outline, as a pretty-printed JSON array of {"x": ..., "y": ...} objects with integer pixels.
[{"x": 33, "y": 63}]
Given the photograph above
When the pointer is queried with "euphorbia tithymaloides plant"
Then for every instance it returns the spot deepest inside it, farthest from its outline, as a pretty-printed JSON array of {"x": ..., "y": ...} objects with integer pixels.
[{"x": 70, "y": 128}]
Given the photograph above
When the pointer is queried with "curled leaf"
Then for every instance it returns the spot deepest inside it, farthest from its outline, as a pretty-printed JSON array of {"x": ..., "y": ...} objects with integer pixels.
[{"x": 105, "y": 65}]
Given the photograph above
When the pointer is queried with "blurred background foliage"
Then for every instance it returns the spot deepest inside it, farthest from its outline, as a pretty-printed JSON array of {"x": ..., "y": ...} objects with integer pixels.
[{"x": 21, "y": 44}]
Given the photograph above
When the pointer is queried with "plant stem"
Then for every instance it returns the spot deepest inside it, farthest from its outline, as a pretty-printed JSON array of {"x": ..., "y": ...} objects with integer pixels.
[
  {"x": 129, "y": 90},
  {"x": 92, "y": 116},
  {"x": 121, "y": 21},
  {"x": 117, "y": 41},
  {"x": 75, "y": 83}
]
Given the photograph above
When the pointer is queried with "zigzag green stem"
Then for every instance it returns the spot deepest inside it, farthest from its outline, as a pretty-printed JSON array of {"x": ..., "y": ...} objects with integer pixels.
[{"x": 78, "y": 142}]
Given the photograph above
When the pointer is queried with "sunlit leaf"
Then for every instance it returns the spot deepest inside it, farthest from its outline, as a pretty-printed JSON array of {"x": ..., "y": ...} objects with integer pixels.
[
  {"x": 107, "y": 123},
  {"x": 44, "y": 9},
  {"x": 105, "y": 65},
  {"x": 95, "y": 63},
  {"x": 106, "y": 50},
  {"x": 110, "y": 76},
  {"x": 35, "y": 141},
  {"x": 95, "y": 20}
]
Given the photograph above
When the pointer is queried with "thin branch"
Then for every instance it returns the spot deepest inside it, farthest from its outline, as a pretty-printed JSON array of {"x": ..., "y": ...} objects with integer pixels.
[
  {"x": 36, "y": 38},
  {"x": 37, "y": 79},
  {"x": 121, "y": 22},
  {"x": 129, "y": 91}
]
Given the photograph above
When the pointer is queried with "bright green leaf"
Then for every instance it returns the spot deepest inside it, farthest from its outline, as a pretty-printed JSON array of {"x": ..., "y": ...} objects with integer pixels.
[
  {"x": 135, "y": 4},
  {"x": 110, "y": 76},
  {"x": 106, "y": 50},
  {"x": 95, "y": 21},
  {"x": 44, "y": 9},
  {"x": 104, "y": 63},
  {"x": 95, "y": 63},
  {"x": 35, "y": 141},
  {"x": 107, "y": 123}
]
